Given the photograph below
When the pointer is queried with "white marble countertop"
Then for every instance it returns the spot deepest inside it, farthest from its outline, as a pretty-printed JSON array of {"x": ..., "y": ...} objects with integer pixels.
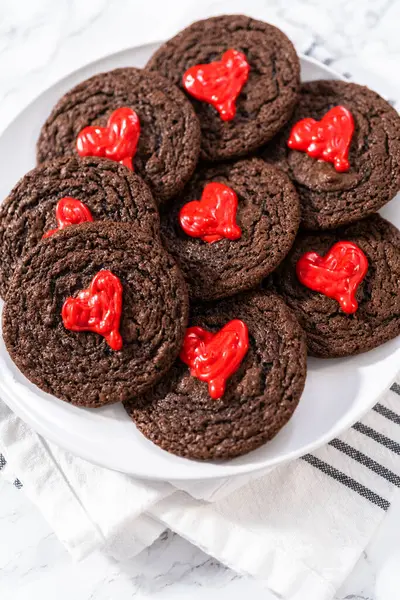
[
  {"x": 34, "y": 565},
  {"x": 43, "y": 40}
]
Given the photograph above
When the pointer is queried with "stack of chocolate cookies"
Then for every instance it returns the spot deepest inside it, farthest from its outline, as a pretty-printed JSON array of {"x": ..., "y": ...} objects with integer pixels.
[{"x": 193, "y": 228}]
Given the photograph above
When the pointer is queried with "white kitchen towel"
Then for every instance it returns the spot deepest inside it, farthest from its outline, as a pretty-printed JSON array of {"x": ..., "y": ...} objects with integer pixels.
[
  {"x": 299, "y": 529},
  {"x": 90, "y": 507}
]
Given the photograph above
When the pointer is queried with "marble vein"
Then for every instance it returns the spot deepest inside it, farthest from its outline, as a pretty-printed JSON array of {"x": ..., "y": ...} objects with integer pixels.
[{"x": 40, "y": 42}]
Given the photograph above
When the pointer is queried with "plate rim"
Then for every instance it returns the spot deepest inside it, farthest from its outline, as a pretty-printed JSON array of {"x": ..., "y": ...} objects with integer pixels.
[
  {"x": 56, "y": 82},
  {"x": 240, "y": 470},
  {"x": 107, "y": 462}
]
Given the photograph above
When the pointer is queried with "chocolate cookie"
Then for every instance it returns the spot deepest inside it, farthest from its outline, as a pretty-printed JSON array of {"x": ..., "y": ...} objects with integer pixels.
[
  {"x": 107, "y": 189},
  {"x": 178, "y": 413},
  {"x": 330, "y": 331},
  {"x": 330, "y": 198},
  {"x": 81, "y": 367},
  {"x": 266, "y": 100},
  {"x": 268, "y": 217},
  {"x": 169, "y": 141}
]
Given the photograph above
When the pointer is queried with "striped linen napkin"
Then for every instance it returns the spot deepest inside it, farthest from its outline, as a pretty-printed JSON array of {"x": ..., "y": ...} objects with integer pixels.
[{"x": 299, "y": 529}]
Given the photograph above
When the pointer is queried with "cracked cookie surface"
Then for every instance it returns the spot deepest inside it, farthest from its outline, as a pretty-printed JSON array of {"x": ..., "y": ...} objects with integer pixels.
[
  {"x": 268, "y": 215},
  {"x": 330, "y": 332},
  {"x": 178, "y": 414},
  {"x": 109, "y": 190},
  {"x": 267, "y": 99},
  {"x": 169, "y": 141},
  {"x": 330, "y": 199},
  {"x": 80, "y": 367}
]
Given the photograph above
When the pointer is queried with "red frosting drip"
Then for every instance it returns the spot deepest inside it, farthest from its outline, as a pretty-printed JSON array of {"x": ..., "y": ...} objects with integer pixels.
[
  {"x": 214, "y": 216},
  {"x": 70, "y": 211},
  {"x": 219, "y": 83},
  {"x": 336, "y": 275},
  {"x": 117, "y": 141},
  {"x": 214, "y": 357},
  {"x": 328, "y": 139},
  {"x": 97, "y": 309}
]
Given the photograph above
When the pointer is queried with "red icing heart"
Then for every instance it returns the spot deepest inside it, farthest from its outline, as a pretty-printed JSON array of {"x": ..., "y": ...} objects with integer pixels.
[
  {"x": 219, "y": 83},
  {"x": 214, "y": 357},
  {"x": 97, "y": 309},
  {"x": 328, "y": 139},
  {"x": 214, "y": 216},
  {"x": 118, "y": 141},
  {"x": 336, "y": 275},
  {"x": 70, "y": 211}
]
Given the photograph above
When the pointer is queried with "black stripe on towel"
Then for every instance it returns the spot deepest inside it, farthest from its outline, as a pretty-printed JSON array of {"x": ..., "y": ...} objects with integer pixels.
[
  {"x": 349, "y": 482},
  {"x": 366, "y": 461},
  {"x": 378, "y": 437},
  {"x": 395, "y": 388},
  {"x": 3, "y": 462},
  {"x": 386, "y": 412}
]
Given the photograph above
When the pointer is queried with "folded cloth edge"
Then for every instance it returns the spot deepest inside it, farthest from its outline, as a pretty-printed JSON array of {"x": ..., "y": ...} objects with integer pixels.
[{"x": 266, "y": 564}]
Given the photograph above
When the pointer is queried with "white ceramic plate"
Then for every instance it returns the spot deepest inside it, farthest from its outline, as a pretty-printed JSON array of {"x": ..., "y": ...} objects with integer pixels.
[{"x": 337, "y": 393}]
